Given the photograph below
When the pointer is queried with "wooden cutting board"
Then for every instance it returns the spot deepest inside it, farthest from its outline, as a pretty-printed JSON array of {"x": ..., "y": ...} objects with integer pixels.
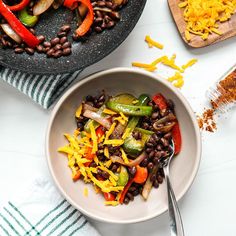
[{"x": 227, "y": 28}]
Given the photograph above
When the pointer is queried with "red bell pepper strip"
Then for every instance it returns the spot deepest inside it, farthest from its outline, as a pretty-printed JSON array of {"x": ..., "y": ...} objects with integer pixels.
[
  {"x": 109, "y": 197},
  {"x": 88, "y": 20},
  {"x": 100, "y": 131},
  {"x": 177, "y": 138},
  {"x": 141, "y": 175},
  {"x": 89, "y": 155},
  {"x": 160, "y": 101},
  {"x": 19, "y": 6},
  {"x": 18, "y": 27},
  {"x": 125, "y": 190}
]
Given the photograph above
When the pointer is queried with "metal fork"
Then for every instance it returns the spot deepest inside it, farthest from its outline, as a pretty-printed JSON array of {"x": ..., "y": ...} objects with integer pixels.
[{"x": 176, "y": 225}]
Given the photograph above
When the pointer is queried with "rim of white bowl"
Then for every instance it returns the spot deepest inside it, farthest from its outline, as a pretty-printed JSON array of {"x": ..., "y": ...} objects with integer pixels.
[{"x": 155, "y": 77}]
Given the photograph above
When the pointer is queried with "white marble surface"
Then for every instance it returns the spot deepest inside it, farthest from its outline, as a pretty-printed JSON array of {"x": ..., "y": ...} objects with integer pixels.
[{"x": 209, "y": 207}]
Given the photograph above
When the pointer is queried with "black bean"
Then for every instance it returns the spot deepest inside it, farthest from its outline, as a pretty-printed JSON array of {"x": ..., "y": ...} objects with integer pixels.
[
  {"x": 151, "y": 154},
  {"x": 66, "y": 51},
  {"x": 159, "y": 147},
  {"x": 46, "y": 49},
  {"x": 153, "y": 141},
  {"x": 47, "y": 44},
  {"x": 126, "y": 201},
  {"x": 93, "y": 164},
  {"x": 161, "y": 172},
  {"x": 98, "y": 14},
  {"x": 132, "y": 171},
  {"x": 130, "y": 196},
  {"x": 39, "y": 48},
  {"x": 55, "y": 41},
  {"x": 135, "y": 135},
  {"x": 101, "y": 3},
  {"x": 148, "y": 150},
  {"x": 164, "y": 142},
  {"x": 105, "y": 175},
  {"x": 150, "y": 166},
  {"x": 66, "y": 45},
  {"x": 144, "y": 162},
  {"x": 80, "y": 125},
  {"x": 29, "y": 51},
  {"x": 159, "y": 179},
  {"x": 57, "y": 47},
  {"x": 63, "y": 40},
  {"x": 153, "y": 178},
  {"x": 107, "y": 18},
  {"x": 114, "y": 6},
  {"x": 132, "y": 189},
  {"x": 114, "y": 167},
  {"x": 19, "y": 50},
  {"x": 156, "y": 160},
  {"x": 149, "y": 144},
  {"x": 109, "y": 4},
  {"x": 155, "y": 137},
  {"x": 158, "y": 154},
  {"x": 98, "y": 20},
  {"x": 168, "y": 135},
  {"x": 50, "y": 52},
  {"x": 104, "y": 25},
  {"x": 155, "y": 184},
  {"x": 57, "y": 54},
  {"x": 155, "y": 115},
  {"x": 136, "y": 192},
  {"x": 61, "y": 34},
  {"x": 170, "y": 104},
  {"x": 98, "y": 29},
  {"x": 145, "y": 125},
  {"x": 41, "y": 38},
  {"x": 65, "y": 28},
  {"x": 32, "y": 30}
]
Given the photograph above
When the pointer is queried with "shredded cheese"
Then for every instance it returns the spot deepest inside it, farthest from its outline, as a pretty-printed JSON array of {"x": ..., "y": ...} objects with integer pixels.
[
  {"x": 79, "y": 111},
  {"x": 86, "y": 192},
  {"x": 179, "y": 83},
  {"x": 106, "y": 152},
  {"x": 202, "y": 16},
  {"x": 151, "y": 42},
  {"x": 111, "y": 203},
  {"x": 109, "y": 112},
  {"x": 124, "y": 156},
  {"x": 126, "y": 133},
  {"x": 189, "y": 63},
  {"x": 110, "y": 131},
  {"x": 94, "y": 138},
  {"x": 114, "y": 142}
]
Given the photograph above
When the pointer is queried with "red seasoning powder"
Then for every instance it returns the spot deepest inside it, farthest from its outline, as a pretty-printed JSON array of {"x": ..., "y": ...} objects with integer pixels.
[{"x": 224, "y": 94}]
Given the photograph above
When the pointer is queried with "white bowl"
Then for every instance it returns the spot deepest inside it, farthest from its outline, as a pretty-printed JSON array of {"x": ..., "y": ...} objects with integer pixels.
[{"x": 119, "y": 80}]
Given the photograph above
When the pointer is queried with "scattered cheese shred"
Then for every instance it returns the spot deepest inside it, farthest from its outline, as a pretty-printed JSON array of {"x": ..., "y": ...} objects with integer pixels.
[
  {"x": 142, "y": 65},
  {"x": 110, "y": 131},
  {"x": 86, "y": 192},
  {"x": 78, "y": 112},
  {"x": 151, "y": 42},
  {"x": 124, "y": 156},
  {"x": 179, "y": 83},
  {"x": 114, "y": 142},
  {"x": 109, "y": 112},
  {"x": 176, "y": 76},
  {"x": 106, "y": 152},
  {"x": 189, "y": 63},
  {"x": 94, "y": 138},
  {"x": 126, "y": 133},
  {"x": 111, "y": 203},
  {"x": 202, "y": 16}
]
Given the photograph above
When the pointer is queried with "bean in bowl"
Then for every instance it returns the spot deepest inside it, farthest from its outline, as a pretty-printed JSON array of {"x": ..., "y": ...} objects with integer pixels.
[{"x": 120, "y": 142}]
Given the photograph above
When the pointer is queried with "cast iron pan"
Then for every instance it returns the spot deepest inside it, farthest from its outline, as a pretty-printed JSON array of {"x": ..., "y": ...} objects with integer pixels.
[{"x": 93, "y": 49}]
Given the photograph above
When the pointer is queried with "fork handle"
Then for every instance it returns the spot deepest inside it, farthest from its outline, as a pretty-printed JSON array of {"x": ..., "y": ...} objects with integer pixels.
[{"x": 176, "y": 224}]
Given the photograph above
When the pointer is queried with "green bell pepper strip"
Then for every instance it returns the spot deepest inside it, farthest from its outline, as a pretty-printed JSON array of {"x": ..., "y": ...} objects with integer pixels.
[
  {"x": 27, "y": 19},
  {"x": 123, "y": 177},
  {"x": 144, "y": 131},
  {"x": 132, "y": 146},
  {"x": 130, "y": 110}
]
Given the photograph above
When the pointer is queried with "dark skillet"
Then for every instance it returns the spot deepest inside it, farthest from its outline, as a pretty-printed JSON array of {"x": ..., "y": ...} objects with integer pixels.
[{"x": 96, "y": 47}]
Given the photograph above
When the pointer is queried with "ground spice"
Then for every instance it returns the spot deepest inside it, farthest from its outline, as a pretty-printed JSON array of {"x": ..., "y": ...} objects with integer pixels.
[{"x": 223, "y": 95}]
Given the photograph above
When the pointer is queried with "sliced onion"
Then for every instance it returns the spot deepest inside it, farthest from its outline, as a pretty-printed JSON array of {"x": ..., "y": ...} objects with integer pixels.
[
  {"x": 88, "y": 107},
  {"x": 118, "y": 131},
  {"x": 148, "y": 184},
  {"x": 97, "y": 117},
  {"x": 41, "y": 6},
  {"x": 105, "y": 9},
  {"x": 169, "y": 117},
  {"x": 164, "y": 129},
  {"x": 11, "y": 33},
  {"x": 135, "y": 162}
]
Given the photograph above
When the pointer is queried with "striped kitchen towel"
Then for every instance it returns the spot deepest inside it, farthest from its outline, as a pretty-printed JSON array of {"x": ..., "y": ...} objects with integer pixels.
[
  {"x": 42, "y": 89},
  {"x": 41, "y": 211}
]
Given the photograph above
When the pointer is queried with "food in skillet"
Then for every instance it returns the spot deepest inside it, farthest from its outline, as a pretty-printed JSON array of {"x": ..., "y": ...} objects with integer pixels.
[
  {"x": 119, "y": 143},
  {"x": 19, "y": 17}
]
